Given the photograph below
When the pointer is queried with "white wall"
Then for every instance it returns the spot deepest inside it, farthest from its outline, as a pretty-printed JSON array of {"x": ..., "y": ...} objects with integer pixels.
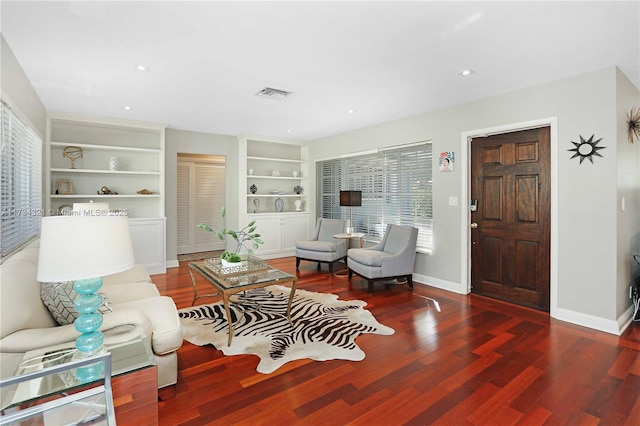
[
  {"x": 182, "y": 141},
  {"x": 628, "y": 183},
  {"x": 18, "y": 91},
  {"x": 583, "y": 105}
]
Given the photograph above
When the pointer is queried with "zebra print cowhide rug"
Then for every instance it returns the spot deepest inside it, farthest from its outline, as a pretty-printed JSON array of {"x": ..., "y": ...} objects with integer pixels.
[{"x": 323, "y": 327}]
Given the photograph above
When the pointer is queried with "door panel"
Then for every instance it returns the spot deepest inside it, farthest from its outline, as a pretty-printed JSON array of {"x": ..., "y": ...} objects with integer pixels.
[
  {"x": 200, "y": 198},
  {"x": 510, "y": 247}
]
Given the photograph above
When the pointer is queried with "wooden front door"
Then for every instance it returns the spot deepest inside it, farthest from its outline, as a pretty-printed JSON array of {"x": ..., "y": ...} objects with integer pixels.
[{"x": 510, "y": 235}]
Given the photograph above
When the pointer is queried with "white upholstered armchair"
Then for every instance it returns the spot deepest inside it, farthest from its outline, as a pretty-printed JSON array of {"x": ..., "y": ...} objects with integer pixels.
[
  {"x": 323, "y": 248},
  {"x": 393, "y": 257}
]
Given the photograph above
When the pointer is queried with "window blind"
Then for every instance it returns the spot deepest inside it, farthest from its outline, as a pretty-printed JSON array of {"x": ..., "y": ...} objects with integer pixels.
[
  {"x": 396, "y": 185},
  {"x": 20, "y": 181}
]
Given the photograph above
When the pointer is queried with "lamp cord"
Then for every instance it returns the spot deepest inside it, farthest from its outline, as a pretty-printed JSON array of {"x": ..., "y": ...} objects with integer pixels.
[{"x": 49, "y": 357}]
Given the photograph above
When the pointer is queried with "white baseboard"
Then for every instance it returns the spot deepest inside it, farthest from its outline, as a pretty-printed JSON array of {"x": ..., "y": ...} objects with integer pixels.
[
  {"x": 596, "y": 323},
  {"x": 172, "y": 263},
  {"x": 156, "y": 271},
  {"x": 625, "y": 320},
  {"x": 578, "y": 318},
  {"x": 441, "y": 284}
]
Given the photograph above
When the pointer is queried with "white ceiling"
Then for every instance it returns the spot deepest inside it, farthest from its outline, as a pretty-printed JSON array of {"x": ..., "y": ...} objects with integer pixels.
[{"x": 385, "y": 60}]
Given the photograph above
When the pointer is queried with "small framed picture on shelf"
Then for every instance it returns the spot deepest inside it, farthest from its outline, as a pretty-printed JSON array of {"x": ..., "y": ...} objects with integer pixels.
[{"x": 65, "y": 187}]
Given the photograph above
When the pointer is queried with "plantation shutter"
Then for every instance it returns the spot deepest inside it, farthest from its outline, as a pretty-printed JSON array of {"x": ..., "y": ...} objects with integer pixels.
[
  {"x": 185, "y": 233},
  {"x": 209, "y": 199},
  {"x": 201, "y": 186},
  {"x": 396, "y": 185},
  {"x": 21, "y": 181}
]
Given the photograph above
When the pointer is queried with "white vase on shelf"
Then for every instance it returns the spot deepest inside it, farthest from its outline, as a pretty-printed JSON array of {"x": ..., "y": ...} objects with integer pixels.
[
  {"x": 113, "y": 163},
  {"x": 279, "y": 204}
]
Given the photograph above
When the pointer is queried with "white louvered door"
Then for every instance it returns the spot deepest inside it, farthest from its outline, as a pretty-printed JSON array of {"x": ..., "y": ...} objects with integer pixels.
[{"x": 200, "y": 199}]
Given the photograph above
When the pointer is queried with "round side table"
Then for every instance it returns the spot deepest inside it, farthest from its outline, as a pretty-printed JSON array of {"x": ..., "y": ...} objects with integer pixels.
[{"x": 360, "y": 235}]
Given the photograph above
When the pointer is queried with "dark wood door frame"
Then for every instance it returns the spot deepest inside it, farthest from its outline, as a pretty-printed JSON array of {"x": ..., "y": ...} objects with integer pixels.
[{"x": 465, "y": 163}]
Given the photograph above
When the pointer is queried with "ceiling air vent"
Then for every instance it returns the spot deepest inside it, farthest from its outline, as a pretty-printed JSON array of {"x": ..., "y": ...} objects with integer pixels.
[{"x": 270, "y": 93}]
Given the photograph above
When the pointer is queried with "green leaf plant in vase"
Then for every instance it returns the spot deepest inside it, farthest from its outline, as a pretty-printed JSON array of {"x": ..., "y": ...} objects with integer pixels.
[{"x": 245, "y": 238}]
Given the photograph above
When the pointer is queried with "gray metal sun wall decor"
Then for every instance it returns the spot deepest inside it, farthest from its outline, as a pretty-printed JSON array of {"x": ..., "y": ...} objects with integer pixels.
[
  {"x": 633, "y": 124},
  {"x": 586, "y": 149}
]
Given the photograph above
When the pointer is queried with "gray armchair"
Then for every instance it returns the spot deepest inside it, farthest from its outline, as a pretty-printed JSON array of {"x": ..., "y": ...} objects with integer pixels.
[
  {"x": 323, "y": 248},
  {"x": 393, "y": 257}
]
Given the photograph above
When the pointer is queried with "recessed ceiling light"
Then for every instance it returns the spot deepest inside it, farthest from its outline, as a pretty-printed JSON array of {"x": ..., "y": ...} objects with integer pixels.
[
  {"x": 351, "y": 111},
  {"x": 142, "y": 68},
  {"x": 289, "y": 130},
  {"x": 126, "y": 108},
  {"x": 466, "y": 72}
]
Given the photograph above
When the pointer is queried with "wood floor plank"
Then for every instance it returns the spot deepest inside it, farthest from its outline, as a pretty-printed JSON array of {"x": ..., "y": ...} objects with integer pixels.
[{"x": 477, "y": 361}]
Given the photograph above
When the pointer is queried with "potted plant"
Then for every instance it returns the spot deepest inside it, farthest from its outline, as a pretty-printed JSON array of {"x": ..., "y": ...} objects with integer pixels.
[{"x": 241, "y": 237}]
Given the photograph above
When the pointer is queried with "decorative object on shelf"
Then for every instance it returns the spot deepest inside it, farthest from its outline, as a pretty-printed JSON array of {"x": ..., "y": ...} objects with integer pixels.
[
  {"x": 72, "y": 153},
  {"x": 350, "y": 199},
  {"x": 297, "y": 189},
  {"x": 277, "y": 192},
  {"x": 586, "y": 149},
  {"x": 275, "y": 173},
  {"x": 83, "y": 249},
  {"x": 106, "y": 191},
  {"x": 113, "y": 163},
  {"x": 633, "y": 121},
  {"x": 241, "y": 237},
  {"x": 145, "y": 192},
  {"x": 253, "y": 188},
  {"x": 295, "y": 174},
  {"x": 65, "y": 210},
  {"x": 65, "y": 187},
  {"x": 250, "y": 172},
  {"x": 279, "y": 204},
  {"x": 298, "y": 204},
  {"x": 256, "y": 204}
]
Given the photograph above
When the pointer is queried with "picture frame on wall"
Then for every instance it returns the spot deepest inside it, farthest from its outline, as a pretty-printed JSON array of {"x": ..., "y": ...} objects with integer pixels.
[
  {"x": 446, "y": 161},
  {"x": 65, "y": 187}
]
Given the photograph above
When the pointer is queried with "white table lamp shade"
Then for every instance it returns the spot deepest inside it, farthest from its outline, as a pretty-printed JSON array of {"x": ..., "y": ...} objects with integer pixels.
[{"x": 78, "y": 247}]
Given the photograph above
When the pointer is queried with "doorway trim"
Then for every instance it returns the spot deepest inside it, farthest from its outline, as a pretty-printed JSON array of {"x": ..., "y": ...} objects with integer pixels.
[{"x": 465, "y": 160}]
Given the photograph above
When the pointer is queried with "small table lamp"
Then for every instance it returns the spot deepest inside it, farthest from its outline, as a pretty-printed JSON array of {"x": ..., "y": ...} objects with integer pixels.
[
  {"x": 83, "y": 249},
  {"x": 350, "y": 199}
]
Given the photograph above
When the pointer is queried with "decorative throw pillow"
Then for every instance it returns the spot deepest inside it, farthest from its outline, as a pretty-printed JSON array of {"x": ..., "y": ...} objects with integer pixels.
[{"x": 58, "y": 297}]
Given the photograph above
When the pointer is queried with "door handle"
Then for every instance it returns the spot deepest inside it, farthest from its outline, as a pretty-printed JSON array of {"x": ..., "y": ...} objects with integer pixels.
[{"x": 474, "y": 225}]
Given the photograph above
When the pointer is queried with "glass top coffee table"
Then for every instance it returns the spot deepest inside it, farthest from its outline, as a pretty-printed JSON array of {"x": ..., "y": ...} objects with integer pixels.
[{"x": 236, "y": 281}]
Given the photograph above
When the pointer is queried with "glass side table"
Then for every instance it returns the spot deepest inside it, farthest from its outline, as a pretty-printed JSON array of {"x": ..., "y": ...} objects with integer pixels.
[
  {"x": 127, "y": 356},
  {"x": 93, "y": 404}
]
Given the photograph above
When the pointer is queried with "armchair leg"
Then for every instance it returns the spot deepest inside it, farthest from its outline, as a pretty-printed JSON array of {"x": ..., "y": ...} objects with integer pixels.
[
  {"x": 331, "y": 267},
  {"x": 350, "y": 273},
  {"x": 319, "y": 263},
  {"x": 410, "y": 280},
  {"x": 370, "y": 285},
  {"x": 297, "y": 262}
]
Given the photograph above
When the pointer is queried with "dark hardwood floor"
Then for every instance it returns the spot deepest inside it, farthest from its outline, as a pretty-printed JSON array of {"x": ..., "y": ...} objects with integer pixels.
[{"x": 477, "y": 362}]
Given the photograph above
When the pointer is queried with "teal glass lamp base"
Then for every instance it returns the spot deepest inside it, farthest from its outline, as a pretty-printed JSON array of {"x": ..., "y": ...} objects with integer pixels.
[
  {"x": 90, "y": 341},
  {"x": 90, "y": 373}
]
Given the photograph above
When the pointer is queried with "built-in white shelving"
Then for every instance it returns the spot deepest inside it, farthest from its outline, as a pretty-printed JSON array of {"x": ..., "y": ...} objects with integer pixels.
[
  {"x": 276, "y": 167},
  {"x": 138, "y": 149}
]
